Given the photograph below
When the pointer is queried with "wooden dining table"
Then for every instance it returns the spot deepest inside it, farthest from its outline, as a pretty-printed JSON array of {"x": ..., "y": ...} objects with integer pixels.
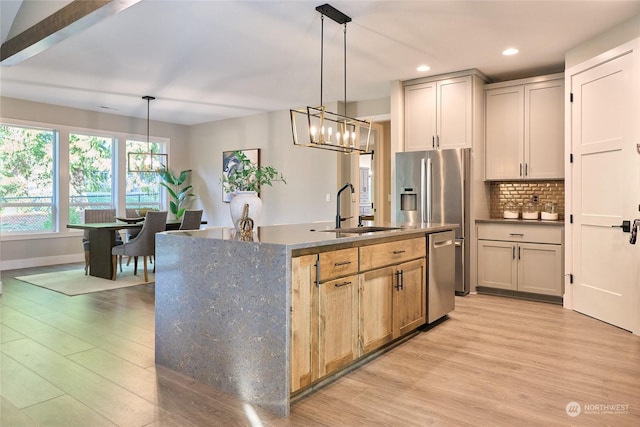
[{"x": 102, "y": 237}]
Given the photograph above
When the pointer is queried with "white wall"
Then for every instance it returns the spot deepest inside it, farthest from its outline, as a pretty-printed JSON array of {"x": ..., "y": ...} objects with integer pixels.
[
  {"x": 622, "y": 33},
  {"x": 310, "y": 173}
]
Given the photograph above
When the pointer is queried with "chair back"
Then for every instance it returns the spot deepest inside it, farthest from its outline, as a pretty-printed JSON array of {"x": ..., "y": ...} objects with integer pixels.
[
  {"x": 92, "y": 216},
  {"x": 191, "y": 220},
  {"x": 145, "y": 242}
]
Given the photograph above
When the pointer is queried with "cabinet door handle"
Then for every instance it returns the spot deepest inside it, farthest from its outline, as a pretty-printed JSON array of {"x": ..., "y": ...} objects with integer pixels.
[
  {"x": 397, "y": 285},
  {"x": 339, "y": 285},
  {"x": 519, "y": 252},
  {"x": 402, "y": 279},
  {"x": 433, "y": 141},
  {"x": 520, "y": 169},
  {"x": 513, "y": 252},
  {"x": 399, "y": 252},
  {"x": 526, "y": 169},
  {"x": 338, "y": 264},
  {"x": 516, "y": 234}
]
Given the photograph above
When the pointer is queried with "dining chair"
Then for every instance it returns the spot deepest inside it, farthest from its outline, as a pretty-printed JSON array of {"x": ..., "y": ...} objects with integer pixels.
[
  {"x": 92, "y": 216},
  {"x": 133, "y": 232},
  {"x": 144, "y": 244},
  {"x": 191, "y": 220}
]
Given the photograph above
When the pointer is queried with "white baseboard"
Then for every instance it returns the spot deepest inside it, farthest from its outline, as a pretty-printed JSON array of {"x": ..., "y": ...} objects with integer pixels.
[{"x": 40, "y": 262}]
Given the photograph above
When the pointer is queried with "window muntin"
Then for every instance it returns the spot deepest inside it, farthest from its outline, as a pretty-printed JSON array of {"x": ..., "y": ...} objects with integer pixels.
[{"x": 27, "y": 179}]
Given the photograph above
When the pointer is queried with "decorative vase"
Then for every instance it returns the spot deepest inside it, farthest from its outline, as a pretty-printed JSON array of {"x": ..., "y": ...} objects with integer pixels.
[{"x": 236, "y": 206}]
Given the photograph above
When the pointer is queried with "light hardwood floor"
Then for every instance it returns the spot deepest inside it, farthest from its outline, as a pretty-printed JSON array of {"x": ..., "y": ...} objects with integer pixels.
[{"x": 89, "y": 361}]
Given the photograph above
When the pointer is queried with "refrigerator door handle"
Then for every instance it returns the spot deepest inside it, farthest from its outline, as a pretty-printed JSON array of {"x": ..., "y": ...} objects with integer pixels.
[
  {"x": 429, "y": 185},
  {"x": 423, "y": 190}
]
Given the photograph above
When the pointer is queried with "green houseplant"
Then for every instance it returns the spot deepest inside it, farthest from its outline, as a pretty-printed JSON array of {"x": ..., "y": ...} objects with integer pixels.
[
  {"x": 181, "y": 195},
  {"x": 249, "y": 177}
]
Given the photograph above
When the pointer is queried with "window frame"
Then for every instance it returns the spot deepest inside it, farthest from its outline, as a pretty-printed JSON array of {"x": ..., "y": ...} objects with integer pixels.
[
  {"x": 61, "y": 199},
  {"x": 54, "y": 179}
]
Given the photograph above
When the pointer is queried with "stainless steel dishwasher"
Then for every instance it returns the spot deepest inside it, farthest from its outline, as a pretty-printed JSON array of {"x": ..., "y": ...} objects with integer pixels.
[{"x": 442, "y": 275}]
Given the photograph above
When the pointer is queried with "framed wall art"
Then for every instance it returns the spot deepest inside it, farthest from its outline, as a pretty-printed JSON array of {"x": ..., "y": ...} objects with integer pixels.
[{"x": 231, "y": 163}]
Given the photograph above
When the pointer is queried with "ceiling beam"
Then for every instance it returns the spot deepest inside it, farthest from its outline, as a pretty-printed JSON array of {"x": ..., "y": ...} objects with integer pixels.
[{"x": 66, "y": 22}]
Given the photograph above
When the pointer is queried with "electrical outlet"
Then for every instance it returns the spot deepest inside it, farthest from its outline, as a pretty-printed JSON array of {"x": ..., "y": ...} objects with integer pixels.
[
  {"x": 534, "y": 198},
  {"x": 328, "y": 197}
]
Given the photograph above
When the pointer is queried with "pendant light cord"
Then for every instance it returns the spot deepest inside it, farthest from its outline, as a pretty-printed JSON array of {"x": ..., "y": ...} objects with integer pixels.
[
  {"x": 345, "y": 68},
  {"x": 149, "y": 99},
  {"x": 321, "y": 55},
  {"x": 322, "y": 62}
]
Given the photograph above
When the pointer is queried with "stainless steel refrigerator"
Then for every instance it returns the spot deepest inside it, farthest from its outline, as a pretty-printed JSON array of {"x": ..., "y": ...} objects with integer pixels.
[{"x": 433, "y": 187}]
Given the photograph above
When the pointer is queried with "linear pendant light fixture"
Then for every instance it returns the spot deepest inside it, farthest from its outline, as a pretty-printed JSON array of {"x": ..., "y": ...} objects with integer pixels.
[
  {"x": 149, "y": 161},
  {"x": 318, "y": 128}
]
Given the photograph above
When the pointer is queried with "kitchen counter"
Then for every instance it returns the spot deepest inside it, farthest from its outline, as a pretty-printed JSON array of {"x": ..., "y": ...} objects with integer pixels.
[
  {"x": 558, "y": 223},
  {"x": 223, "y": 305},
  {"x": 317, "y": 234}
]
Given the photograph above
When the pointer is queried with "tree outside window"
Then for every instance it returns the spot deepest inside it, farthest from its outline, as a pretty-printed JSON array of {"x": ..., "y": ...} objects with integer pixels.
[
  {"x": 27, "y": 180},
  {"x": 90, "y": 174}
]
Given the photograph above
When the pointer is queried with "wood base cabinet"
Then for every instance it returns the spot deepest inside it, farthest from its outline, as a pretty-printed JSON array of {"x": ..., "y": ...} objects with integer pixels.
[
  {"x": 346, "y": 303},
  {"x": 337, "y": 321},
  {"x": 304, "y": 321},
  {"x": 523, "y": 258},
  {"x": 392, "y": 303}
]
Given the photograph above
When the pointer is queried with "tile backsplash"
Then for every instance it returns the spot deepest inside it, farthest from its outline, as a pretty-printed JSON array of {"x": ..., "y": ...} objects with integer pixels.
[{"x": 521, "y": 192}]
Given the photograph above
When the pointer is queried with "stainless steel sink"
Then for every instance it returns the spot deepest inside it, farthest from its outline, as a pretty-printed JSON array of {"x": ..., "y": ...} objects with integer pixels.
[{"x": 361, "y": 230}]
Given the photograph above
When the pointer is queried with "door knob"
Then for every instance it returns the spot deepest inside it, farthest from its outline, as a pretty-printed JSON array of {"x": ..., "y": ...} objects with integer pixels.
[
  {"x": 634, "y": 231},
  {"x": 626, "y": 226}
]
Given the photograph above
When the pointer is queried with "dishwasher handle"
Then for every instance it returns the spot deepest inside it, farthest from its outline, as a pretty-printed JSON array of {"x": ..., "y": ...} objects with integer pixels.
[{"x": 443, "y": 243}]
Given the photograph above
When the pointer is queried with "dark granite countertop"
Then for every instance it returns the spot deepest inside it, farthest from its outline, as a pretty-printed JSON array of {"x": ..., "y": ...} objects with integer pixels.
[
  {"x": 301, "y": 236},
  {"x": 558, "y": 223}
]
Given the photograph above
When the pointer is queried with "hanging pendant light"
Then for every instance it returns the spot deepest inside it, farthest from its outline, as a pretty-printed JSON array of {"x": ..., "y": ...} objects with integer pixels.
[
  {"x": 318, "y": 128},
  {"x": 149, "y": 161}
]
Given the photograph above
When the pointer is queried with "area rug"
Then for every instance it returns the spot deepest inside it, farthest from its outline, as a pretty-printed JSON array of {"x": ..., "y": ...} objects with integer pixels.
[{"x": 74, "y": 282}]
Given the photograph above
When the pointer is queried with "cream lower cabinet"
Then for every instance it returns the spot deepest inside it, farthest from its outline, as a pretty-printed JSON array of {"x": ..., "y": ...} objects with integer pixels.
[{"x": 523, "y": 258}]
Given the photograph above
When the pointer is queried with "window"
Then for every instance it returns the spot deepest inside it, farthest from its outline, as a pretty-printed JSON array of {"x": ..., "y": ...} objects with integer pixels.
[
  {"x": 143, "y": 189},
  {"x": 90, "y": 174},
  {"x": 27, "y": 179}
]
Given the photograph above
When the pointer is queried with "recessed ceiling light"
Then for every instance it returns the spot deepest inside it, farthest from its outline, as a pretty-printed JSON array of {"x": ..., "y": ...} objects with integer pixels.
[
  {"x": 510, "y": 51},
  {"x": 423, "y": 68}
]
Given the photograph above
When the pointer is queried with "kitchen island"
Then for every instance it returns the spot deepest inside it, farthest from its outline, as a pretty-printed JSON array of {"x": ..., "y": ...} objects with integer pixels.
[{"x": 225, "y": 307}]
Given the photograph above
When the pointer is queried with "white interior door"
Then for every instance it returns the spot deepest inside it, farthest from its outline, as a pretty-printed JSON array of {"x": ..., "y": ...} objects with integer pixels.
[{"x": 605, "y": 189}]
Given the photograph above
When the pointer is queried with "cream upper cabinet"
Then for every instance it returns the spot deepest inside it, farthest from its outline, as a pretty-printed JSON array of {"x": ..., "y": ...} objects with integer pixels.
[
  {"x": 525, "y": 129},
  {"x": 438, "y": 114}
]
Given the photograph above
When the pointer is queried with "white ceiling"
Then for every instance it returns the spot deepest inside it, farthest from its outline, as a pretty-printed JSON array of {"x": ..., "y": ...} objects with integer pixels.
[{"x": 212, "y": 60}]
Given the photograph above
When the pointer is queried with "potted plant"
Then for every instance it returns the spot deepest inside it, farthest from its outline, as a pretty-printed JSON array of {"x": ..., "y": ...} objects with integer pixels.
[
  {"x": 248, "y": 176},
  {"x": 181, "y": 195},
  {"x": 244, "y": 181}
]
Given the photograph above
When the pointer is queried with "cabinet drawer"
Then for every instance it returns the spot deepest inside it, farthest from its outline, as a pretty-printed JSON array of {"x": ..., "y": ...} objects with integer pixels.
[
  {"x": 342, "y": 262},
  {"x": 521, "y": 233},
  {"x": 375, "y": 256}
]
